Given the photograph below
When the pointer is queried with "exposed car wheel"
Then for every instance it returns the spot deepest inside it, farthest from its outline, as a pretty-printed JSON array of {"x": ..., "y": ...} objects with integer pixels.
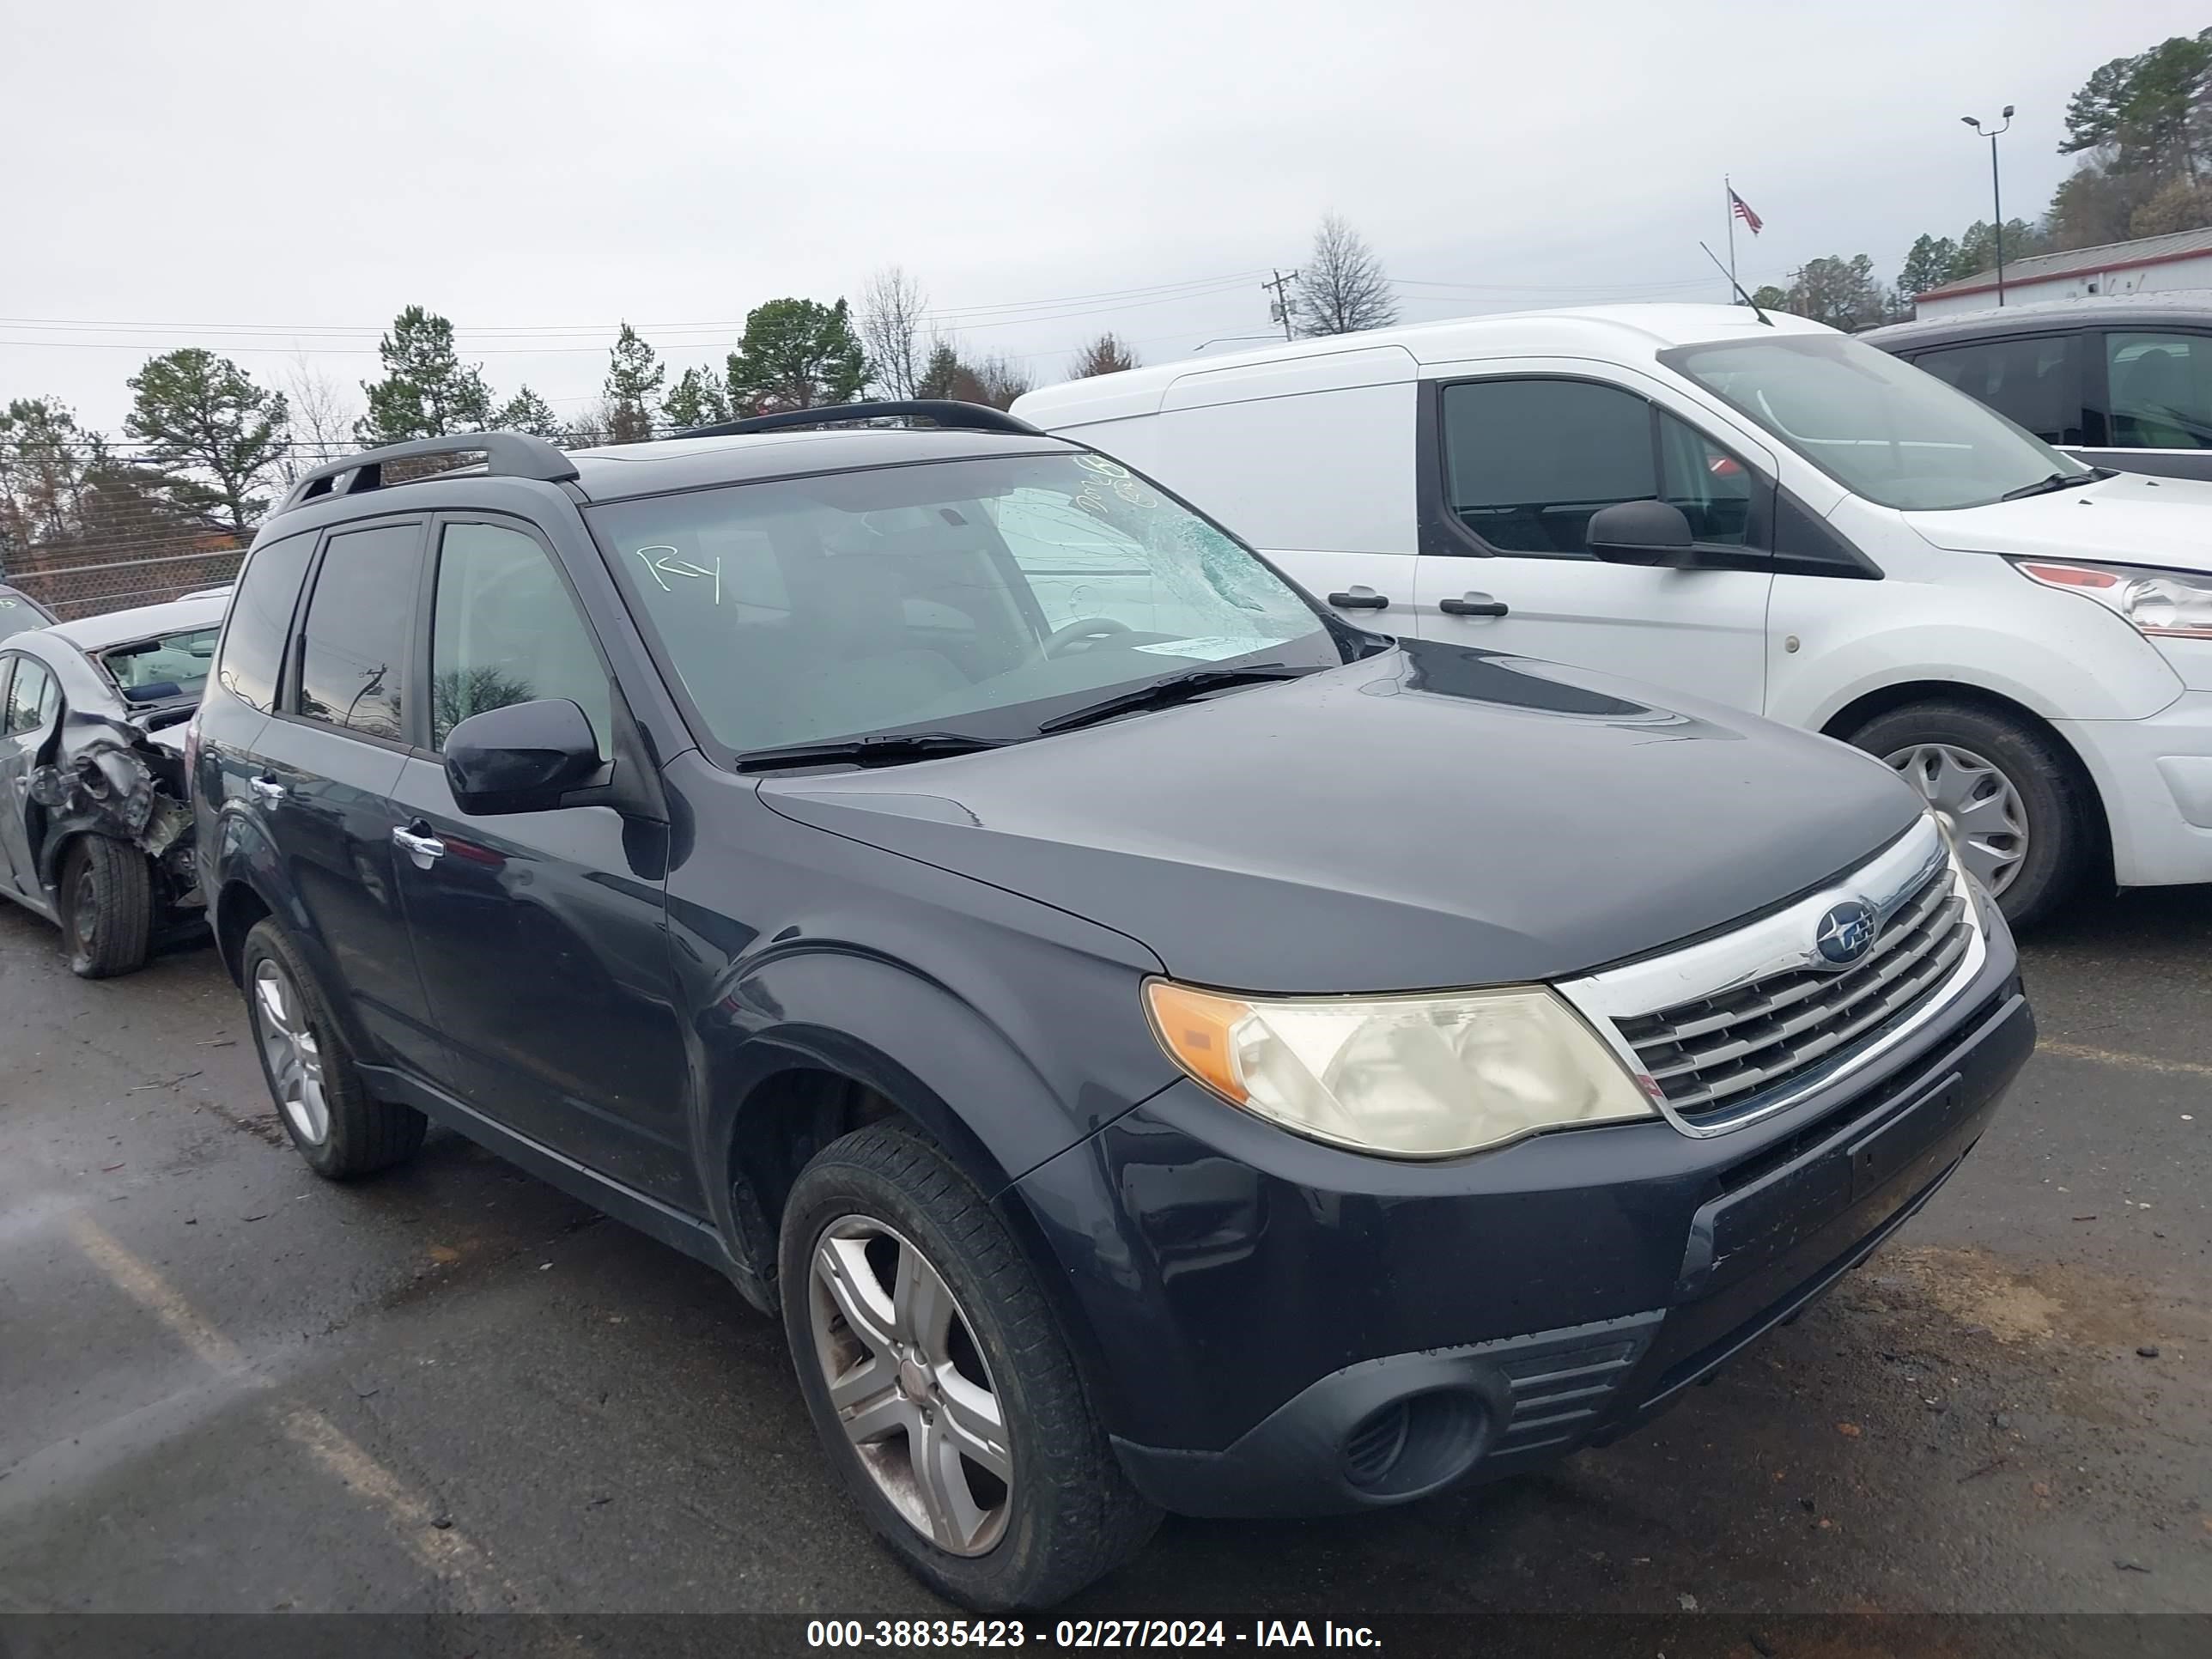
[
  {"x": 940, "y": 1384},
  {"x": 2018, "y": 810},
  {"x": 106, "y": 907},
  {"x": 338, "y": 1129}
]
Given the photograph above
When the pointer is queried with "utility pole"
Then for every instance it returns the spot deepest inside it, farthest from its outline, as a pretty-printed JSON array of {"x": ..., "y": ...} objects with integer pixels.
[{"x": 1281, "y": 305}]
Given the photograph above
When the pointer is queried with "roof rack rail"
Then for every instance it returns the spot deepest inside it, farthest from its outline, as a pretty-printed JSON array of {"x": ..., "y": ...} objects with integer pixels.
[
  {"x": 946, "y": 411},
  {"x": 506, "y": 455}
]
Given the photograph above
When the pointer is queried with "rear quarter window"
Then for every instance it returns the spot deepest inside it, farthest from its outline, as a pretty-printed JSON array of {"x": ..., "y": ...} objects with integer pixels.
[{"x": 260, "y": 616}]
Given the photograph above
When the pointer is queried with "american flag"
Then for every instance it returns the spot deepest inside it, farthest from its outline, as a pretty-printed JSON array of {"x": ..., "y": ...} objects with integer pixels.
[{"x": 1741, "y": 208}]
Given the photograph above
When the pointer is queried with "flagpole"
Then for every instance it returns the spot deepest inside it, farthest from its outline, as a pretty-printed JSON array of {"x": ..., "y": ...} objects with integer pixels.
[{"x": 1729, "y": 191}]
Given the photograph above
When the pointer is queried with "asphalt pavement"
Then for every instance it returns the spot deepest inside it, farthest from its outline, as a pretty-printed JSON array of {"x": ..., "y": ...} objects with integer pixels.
[{"x": 226, "y": 1386}]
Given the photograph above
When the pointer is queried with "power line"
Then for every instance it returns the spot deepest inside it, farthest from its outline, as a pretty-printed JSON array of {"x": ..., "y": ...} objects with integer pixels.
[{"x": 551, "y": 330}]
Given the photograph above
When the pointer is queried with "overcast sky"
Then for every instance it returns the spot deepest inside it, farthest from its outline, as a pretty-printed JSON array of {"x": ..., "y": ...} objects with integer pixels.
[{"x": 261, "y": 178}]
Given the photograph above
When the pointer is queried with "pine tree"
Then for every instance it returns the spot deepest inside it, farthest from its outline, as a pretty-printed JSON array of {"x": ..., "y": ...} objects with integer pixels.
[
  {"x": 527, "y": 411},
  {"x": 796, "y": 354},
  {"x": 211, "y": 435},
  {"x": 699, "y": 398},
  {"x": 634, "y": 378},
  {"x": 426, "y": 392}
]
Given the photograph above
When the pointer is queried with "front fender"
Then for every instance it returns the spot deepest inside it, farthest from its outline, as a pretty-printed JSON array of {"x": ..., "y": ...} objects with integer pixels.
[
  {"x": 2095, "y": 667},
  {"x": 1000, "y": 1102}
]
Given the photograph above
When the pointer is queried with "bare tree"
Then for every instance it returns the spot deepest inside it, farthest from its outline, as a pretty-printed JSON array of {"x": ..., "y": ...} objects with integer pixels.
[
  {"x": 594, "y": 425},
  {"x": 322, "y": 417},
  {"x": 1109, "y": 354},
  {"x": 891, "y": 309},
  {"x": 1341, "y": 288},
  {"x": 995, "y": 379}
]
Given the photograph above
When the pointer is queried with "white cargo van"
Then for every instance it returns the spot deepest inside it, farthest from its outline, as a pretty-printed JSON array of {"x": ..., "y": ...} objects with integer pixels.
[{"x": 1768, "y": 514}]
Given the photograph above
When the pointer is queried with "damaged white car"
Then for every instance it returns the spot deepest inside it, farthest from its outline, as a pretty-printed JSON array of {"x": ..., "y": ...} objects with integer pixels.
[{"x": 95, "y": 819}]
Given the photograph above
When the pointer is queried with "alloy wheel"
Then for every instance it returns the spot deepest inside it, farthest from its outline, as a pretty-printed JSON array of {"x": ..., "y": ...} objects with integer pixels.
[
  {"x": 1978, "y": 805},
  {"x": 910, "y": 1385},
  {"x": 290, "y": 1050}
]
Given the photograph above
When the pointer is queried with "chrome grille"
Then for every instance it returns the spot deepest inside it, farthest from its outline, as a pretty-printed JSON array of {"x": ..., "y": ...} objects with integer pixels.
[{"x": 1712, "y": 1055}]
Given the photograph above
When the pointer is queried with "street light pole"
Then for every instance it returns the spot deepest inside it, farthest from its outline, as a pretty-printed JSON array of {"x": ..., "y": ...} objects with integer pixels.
[{"x": 1997, "y": 197}]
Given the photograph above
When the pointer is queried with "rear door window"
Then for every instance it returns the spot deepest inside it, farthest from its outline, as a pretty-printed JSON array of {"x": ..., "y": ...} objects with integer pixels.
[
  {"x": 2034, "y": 383},
  {"x": 2159, "y": 385},
  {"x": 353, "y": 656}
]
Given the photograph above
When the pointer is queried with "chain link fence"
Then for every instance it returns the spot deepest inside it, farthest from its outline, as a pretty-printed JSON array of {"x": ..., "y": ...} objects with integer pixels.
[{"x": 108, "y": 553}]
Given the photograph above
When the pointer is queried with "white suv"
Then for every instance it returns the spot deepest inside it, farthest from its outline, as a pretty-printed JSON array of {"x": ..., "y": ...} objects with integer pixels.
[{"x": 1766, "y": 513}]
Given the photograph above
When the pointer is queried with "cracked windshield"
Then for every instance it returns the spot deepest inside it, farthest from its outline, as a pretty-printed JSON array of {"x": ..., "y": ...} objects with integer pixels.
[{"x": 981, "y": 597}]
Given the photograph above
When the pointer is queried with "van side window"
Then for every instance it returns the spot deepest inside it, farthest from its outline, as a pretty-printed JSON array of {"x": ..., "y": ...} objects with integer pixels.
[
  {"x": 1528, "y": 461},
  {"x": 353, "y": 659},
  {"x": 260, "y": 615},
  {"x": 505, "y": 629},
  {"x": 2161, "y": 387},
  {"x": 2033, "y": 383}
]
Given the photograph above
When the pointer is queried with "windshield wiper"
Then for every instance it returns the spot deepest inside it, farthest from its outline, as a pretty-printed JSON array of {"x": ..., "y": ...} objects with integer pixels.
[
  {"x": 2056, "y": 481},
  {"x": 887, "y": 749},
  {"x": 1175, "y": 689}
]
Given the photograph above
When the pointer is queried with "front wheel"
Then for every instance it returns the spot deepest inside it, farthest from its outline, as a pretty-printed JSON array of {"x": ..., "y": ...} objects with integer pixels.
[
  {"x": 108, "y": 907},
  {"x": 939, "y": 1384},
  {"x": 2017, "y": 810}
]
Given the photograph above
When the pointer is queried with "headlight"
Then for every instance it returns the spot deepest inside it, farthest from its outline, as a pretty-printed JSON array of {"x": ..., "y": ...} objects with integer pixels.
[
  {"x": 1407, "y": 1076},
  {"x": 2175, "y": 604}
]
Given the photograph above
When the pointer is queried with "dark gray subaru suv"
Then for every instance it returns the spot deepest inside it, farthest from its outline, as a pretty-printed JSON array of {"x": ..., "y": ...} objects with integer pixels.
[{"x": 1156, "y": 1045}]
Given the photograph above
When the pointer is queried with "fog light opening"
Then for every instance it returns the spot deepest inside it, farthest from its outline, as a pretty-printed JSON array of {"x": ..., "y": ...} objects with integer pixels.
[{"x": 1414, "y": 1444}]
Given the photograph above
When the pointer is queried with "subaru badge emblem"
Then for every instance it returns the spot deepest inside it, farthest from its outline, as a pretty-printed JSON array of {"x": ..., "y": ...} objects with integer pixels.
[{"x": 1845, "y": 932}]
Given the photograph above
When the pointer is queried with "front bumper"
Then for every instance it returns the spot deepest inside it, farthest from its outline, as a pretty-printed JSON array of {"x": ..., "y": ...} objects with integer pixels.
[
  {"x": 1278, "y": 1328},
  {"x": 2155, "y": 776}
]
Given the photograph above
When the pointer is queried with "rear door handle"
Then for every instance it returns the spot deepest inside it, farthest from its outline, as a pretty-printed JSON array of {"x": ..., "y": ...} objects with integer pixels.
[
  {"x": 422, "y": 847},
  {"x": 1359, "y": 598},
  {"x": 268, "y": 789},
  {"x": 1473, "y": 604}
]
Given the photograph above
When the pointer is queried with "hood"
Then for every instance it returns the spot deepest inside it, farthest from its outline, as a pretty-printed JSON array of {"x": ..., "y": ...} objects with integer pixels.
[
  {"x": 2125, "y": 519},
  {"x": 1434, "y": 816}
]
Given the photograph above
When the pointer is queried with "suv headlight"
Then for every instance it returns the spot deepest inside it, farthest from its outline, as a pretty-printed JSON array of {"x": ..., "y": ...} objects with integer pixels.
[
  {"x": 1404, "y": 1076},
  {"x": 2174, "y": 605}
]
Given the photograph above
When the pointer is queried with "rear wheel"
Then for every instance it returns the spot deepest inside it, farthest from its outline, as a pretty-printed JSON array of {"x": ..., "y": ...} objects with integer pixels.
[
  {"x": 107, "y": 907},
  {"x": 2016, "y": 808},
  {"x": 338, "y": 1129},
  {"x": 939, "y": 1384}
]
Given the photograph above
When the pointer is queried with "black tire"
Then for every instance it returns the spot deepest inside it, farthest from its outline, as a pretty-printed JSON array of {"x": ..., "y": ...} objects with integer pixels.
[
  {"x": 360, "y": 1135},
  {"x": 107, "y": 906},
  {"x": 2055, "y": 798},
  {"x": 1071, "y": 1515}
]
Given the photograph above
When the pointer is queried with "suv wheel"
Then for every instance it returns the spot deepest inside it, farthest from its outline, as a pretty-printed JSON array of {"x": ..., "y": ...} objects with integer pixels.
[
  {"x": 939, "y": 1383},
  {"x": 107, "y": 907},
  {"x": 338, "y": 1129},
  {"x": 2014, "y": 804}
]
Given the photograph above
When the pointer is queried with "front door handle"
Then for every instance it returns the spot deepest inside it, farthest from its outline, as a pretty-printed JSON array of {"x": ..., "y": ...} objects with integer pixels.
[
  {"x": 1473, "y": 604},
  {"x": 422, "y": 847},
  {"x": 1359, "y": 598},
  {"x": 268, "y": 789}
]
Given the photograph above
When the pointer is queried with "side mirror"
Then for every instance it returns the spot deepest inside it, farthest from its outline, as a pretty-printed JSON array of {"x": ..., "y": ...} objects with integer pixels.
[
  {"x": 520, "y": 758},
  {"x": 1642, "y": 532}
]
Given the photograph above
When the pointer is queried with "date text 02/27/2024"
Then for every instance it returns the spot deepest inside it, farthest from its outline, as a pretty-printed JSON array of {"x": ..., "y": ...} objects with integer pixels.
[{"x": 1085, "y": 1633}]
